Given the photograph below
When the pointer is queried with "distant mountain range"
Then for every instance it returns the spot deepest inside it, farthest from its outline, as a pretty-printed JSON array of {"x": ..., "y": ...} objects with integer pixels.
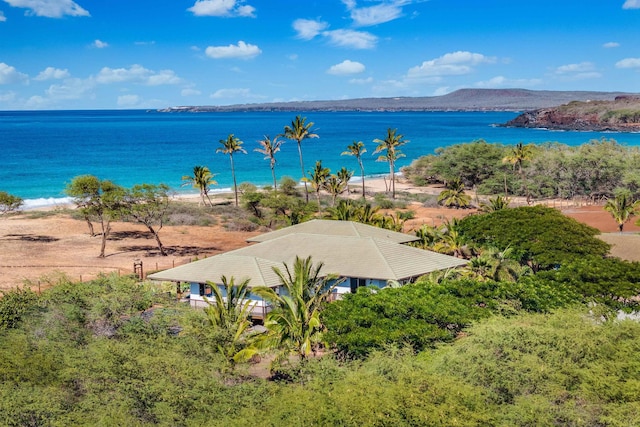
[{"x": 460, "y": 100}]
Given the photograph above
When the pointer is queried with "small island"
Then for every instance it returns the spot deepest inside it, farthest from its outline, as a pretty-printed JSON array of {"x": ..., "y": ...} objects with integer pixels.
[{"x": 620, "y": 115}]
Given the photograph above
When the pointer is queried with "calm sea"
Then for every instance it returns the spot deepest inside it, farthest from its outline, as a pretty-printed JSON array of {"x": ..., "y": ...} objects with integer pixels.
[{"x": 43, "y": 150}]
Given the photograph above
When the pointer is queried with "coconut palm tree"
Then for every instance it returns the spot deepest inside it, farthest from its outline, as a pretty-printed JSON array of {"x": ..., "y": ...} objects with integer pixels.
[
  {"x": 334, "y": 185},
  {"x": 357, "y": 149},
  {"x": 454, "y": 195},
  {"x": 344, "y": 175},
  {"x": 299, "y": 131},
  {"x": 622, "y": 208},
  {"x": 519, "y": 154},
  {"x": 317, "y": 177},
  {"x": 294, "y": 326},
  {"x": 269, "y": 148},
  {"x": 229, "y": 146},
  {"x": 389, "y": 145},
  {"x": 202, "y": 179}
]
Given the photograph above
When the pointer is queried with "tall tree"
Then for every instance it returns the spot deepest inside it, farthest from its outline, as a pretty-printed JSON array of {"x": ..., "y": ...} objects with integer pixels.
[
  {"x": 230, "y": 146},
  {"x": 390, "y": 147},
  {"x": 148, "y": 205},
  {"x": 202, "y": 179},
  {"x": 318, "y": 177},
  {"x": 344, "y": 175},
  {"x": 299, "y": 131},
  {"x": 357, "y": 149},
  {"x": 622, "y": 208},
  {"x": 99, "y": 199},
  {"x": 269, "y": 148},
  {"x": 519, "y": 154},
  {"x": 294, "y": 324}
]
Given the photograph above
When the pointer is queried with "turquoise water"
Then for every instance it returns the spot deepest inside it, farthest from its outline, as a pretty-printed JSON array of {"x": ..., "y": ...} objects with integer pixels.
[{"x": 43, "y": 150}]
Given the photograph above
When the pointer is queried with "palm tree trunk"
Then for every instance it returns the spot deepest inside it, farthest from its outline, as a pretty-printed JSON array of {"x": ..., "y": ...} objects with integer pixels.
[
  {"x": 393, "y": 179},
  {"x": 273, "y": 174},
  {"x": 306, "y": 193},
  {"x": 233, "y": 173},
  {"x": 362, "y": 174}
]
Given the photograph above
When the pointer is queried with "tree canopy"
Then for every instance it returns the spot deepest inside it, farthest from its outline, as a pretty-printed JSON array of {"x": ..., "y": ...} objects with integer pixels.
[{"x": 540, "y": 236}]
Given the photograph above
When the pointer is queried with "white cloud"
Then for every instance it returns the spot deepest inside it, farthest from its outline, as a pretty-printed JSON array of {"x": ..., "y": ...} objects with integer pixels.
[
  {"x": 51, "y": 73},
  {"x": 628, "y": 63},
  {"x": 100, "y": 44},
  {"x": 450, "y": 64},
  {"x": 610, "y": 45},
  {"x": 190, "y": 92},
  {"x": 137, "y": 74},
  {"x": 49, "y": 8},
  {"x": 128, "y": 100},
  {"x": 7, "y": 97},
  {"x": 222, "y": 8},
  {"x": 241, "y": 50},
  {"x": 373, "y": 15},
  {"x": 2, "y": 17},
  {"x": 352, "y": 39},
  {"x": 368, "y": 80},
  {"x": 70, "y": 89},
  {"x": 575, "y": 68},
  {"x": 501, "y": 82},
  {"x": 346, "y": 67},
  {"x": 443, "y": 90},
  {"x": 308, "y": 29},
  {"x": 631, "y": 4},
  {"x": 234, "y": 94},
  {"x": 9, "y": 75}
]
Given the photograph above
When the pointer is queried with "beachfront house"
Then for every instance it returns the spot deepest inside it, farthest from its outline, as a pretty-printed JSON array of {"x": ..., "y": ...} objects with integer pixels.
[{"x": 361, "y": 254}]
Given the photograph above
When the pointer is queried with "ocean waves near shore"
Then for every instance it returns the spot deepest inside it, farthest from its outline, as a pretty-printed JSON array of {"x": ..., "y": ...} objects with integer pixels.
[{"x": 44, "y": 150}]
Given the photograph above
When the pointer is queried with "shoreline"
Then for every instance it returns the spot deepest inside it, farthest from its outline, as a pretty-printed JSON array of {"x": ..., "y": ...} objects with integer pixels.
[{"x": 374, "y": 183}]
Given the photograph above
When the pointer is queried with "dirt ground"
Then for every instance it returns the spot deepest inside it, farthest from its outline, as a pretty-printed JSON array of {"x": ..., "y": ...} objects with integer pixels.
[{"x": 37, "y": 251}]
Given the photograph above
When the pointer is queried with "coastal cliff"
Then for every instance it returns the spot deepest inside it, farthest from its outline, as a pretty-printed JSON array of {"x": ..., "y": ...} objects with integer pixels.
[{"x": 620, "y": 115}]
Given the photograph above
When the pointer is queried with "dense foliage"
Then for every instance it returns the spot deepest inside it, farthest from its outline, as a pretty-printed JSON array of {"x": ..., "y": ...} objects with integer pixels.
[
  {"x": 595, "y": 169},
  {"x": 425, "y": 313},
  {"x": 541, "y": 236},
  {"x": 114, "y": 352}
]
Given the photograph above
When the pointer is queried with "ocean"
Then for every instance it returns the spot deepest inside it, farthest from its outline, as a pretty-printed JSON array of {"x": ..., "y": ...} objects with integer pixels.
[{"x": 43, "y": 150}]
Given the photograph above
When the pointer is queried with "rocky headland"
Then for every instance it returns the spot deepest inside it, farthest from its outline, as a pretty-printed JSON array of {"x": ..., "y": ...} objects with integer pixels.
[{"x": 620, "y": 115}]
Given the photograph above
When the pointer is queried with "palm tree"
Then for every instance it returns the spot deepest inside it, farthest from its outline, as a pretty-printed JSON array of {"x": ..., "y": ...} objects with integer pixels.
[
  {"x": 454, "y": 195},
  {"x": 495, "y": 204},
  {"x": 334, "y": 185},
  {"x": 389, "y": 146},
  {"x": 230, "y": 311},
  {"x": 229, "y": 146},
  {"x": 269, "y": 148},
  {"x": 294, "y": 324},
  {"x": 299, "y": 131},
  {"x": 317, "y": 177},
  {"x": 519, "y": 154},
  {"x": 202, "y": 179},
  {"x": 357, "y": 149},
  {"x": 622, "y": 209},
  {"x": 344, "y": 175}
]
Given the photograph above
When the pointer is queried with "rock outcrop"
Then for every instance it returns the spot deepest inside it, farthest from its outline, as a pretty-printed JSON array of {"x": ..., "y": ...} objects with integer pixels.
[{"x": 620, "y": 115}]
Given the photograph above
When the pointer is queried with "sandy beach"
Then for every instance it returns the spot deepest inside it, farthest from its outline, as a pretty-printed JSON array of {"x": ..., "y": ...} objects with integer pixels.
[{"x": 36, "y": 250}]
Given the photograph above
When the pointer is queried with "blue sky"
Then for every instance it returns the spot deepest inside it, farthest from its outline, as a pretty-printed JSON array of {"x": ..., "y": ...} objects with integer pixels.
[{"x": 110, "y": 54}]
